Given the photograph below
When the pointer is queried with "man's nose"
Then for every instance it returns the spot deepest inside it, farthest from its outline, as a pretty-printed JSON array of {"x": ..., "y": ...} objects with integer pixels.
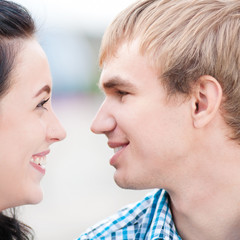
[{"x": 104, "y": 120}]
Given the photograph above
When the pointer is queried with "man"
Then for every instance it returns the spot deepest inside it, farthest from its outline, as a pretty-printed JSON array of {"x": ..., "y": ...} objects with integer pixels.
[{"x": 171, "y": 76}]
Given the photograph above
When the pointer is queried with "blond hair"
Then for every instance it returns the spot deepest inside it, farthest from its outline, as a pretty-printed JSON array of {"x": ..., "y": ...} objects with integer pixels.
[{"x": 185, "y": 39}]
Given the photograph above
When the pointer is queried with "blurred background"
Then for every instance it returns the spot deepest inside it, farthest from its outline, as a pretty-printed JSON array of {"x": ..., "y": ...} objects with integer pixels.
[{"x": 79, "y": 189}]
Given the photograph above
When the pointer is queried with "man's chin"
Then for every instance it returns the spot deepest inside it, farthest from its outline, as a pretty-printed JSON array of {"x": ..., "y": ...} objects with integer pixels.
[{"x": 127, "y": 183}]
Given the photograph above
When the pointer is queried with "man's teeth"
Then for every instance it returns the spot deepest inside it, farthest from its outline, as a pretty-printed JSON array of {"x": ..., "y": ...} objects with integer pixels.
[
  {"x": 41, "y": 161},
  {"x": 117, "y": 149}
]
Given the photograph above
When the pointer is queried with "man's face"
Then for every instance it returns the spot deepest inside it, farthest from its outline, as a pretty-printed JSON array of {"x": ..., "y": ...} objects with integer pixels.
[{"x": 148, "y": 134}]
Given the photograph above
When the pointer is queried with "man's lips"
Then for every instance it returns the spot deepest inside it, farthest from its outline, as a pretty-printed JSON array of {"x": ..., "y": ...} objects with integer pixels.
[
  {"x": 117, "y": 145},
  {"x": 118, "y": 149}
]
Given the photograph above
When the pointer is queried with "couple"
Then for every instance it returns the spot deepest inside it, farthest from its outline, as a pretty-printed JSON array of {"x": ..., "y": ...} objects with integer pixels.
[{"x": 171, "y": 78}]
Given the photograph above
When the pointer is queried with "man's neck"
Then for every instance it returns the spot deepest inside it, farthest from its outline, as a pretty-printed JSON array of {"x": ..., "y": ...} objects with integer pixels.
[
  {"x": 208, "y": 205},
  {"x": 215, "y": 218}
]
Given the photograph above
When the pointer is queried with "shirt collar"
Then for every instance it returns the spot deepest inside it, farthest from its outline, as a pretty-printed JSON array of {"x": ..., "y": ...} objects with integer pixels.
[{"x": 162, "y": 225}]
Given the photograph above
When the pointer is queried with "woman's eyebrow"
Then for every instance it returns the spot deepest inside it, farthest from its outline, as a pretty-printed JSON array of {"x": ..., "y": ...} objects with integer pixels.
[{"x": 46, "y": 88}]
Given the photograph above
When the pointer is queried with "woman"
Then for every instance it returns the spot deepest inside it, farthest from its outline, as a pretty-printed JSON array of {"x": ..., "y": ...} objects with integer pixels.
[{"x": 28, "y": 125}]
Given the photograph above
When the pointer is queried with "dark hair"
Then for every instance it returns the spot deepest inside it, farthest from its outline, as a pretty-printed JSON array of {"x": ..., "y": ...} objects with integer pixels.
[
  {"x": 15, "y": 24},
  {"x": 12, "y": 229}
]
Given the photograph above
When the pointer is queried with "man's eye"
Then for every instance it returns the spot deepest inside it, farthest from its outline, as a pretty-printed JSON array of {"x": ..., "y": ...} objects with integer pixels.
[
  {"x": 42, "y": 103},
  {"x": 121, "y": 93}
]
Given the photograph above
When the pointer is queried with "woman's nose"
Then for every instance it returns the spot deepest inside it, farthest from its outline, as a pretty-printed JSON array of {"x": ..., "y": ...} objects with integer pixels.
[{"x": 55, "y": 131}]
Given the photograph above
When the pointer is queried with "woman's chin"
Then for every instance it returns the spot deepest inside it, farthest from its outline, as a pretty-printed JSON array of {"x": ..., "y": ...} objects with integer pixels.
[{"x": 35, "y": 198}]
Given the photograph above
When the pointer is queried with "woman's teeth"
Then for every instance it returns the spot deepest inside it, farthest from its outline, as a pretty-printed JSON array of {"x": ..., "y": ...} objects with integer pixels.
[
  {"x": 117, "y": 149},
  {"x": 41, "y": 161}
]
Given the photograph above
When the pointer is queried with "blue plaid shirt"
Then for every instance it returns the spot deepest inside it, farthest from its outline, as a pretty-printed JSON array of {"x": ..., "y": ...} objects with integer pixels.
[{"x": 147, "y": 219}]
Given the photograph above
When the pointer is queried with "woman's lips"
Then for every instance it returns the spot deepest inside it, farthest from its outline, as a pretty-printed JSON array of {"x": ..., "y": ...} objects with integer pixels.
[
  {"x": 44, "y": 153},
  {"x": 38, "y": 167},
  {"x": 38, "y": 161}
]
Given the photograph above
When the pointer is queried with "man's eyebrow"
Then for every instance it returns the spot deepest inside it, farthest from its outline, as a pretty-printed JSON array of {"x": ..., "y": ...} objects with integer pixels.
[
  {"x": 46, "y": 88},
  {"x": 116, "y": 82}
]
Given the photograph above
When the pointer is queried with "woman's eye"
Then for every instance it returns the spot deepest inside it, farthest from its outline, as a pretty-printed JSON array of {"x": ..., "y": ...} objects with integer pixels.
[{"x": 42, "y": 103}]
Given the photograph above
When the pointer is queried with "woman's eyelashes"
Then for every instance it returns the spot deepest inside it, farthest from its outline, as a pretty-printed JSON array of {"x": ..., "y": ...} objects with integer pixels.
[{"x": 42, "y": 103}]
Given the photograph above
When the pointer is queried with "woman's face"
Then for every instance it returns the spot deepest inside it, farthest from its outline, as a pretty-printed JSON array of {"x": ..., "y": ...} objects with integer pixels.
[{"x": 28, "y": 127}]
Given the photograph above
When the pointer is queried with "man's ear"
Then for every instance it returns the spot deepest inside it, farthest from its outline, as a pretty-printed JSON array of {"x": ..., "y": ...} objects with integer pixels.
[{"x": 206, "y": 100}]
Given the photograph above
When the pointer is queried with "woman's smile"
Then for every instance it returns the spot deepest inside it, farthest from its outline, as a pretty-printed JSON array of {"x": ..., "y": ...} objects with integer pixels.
[{"x": 39, "y": 161}]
